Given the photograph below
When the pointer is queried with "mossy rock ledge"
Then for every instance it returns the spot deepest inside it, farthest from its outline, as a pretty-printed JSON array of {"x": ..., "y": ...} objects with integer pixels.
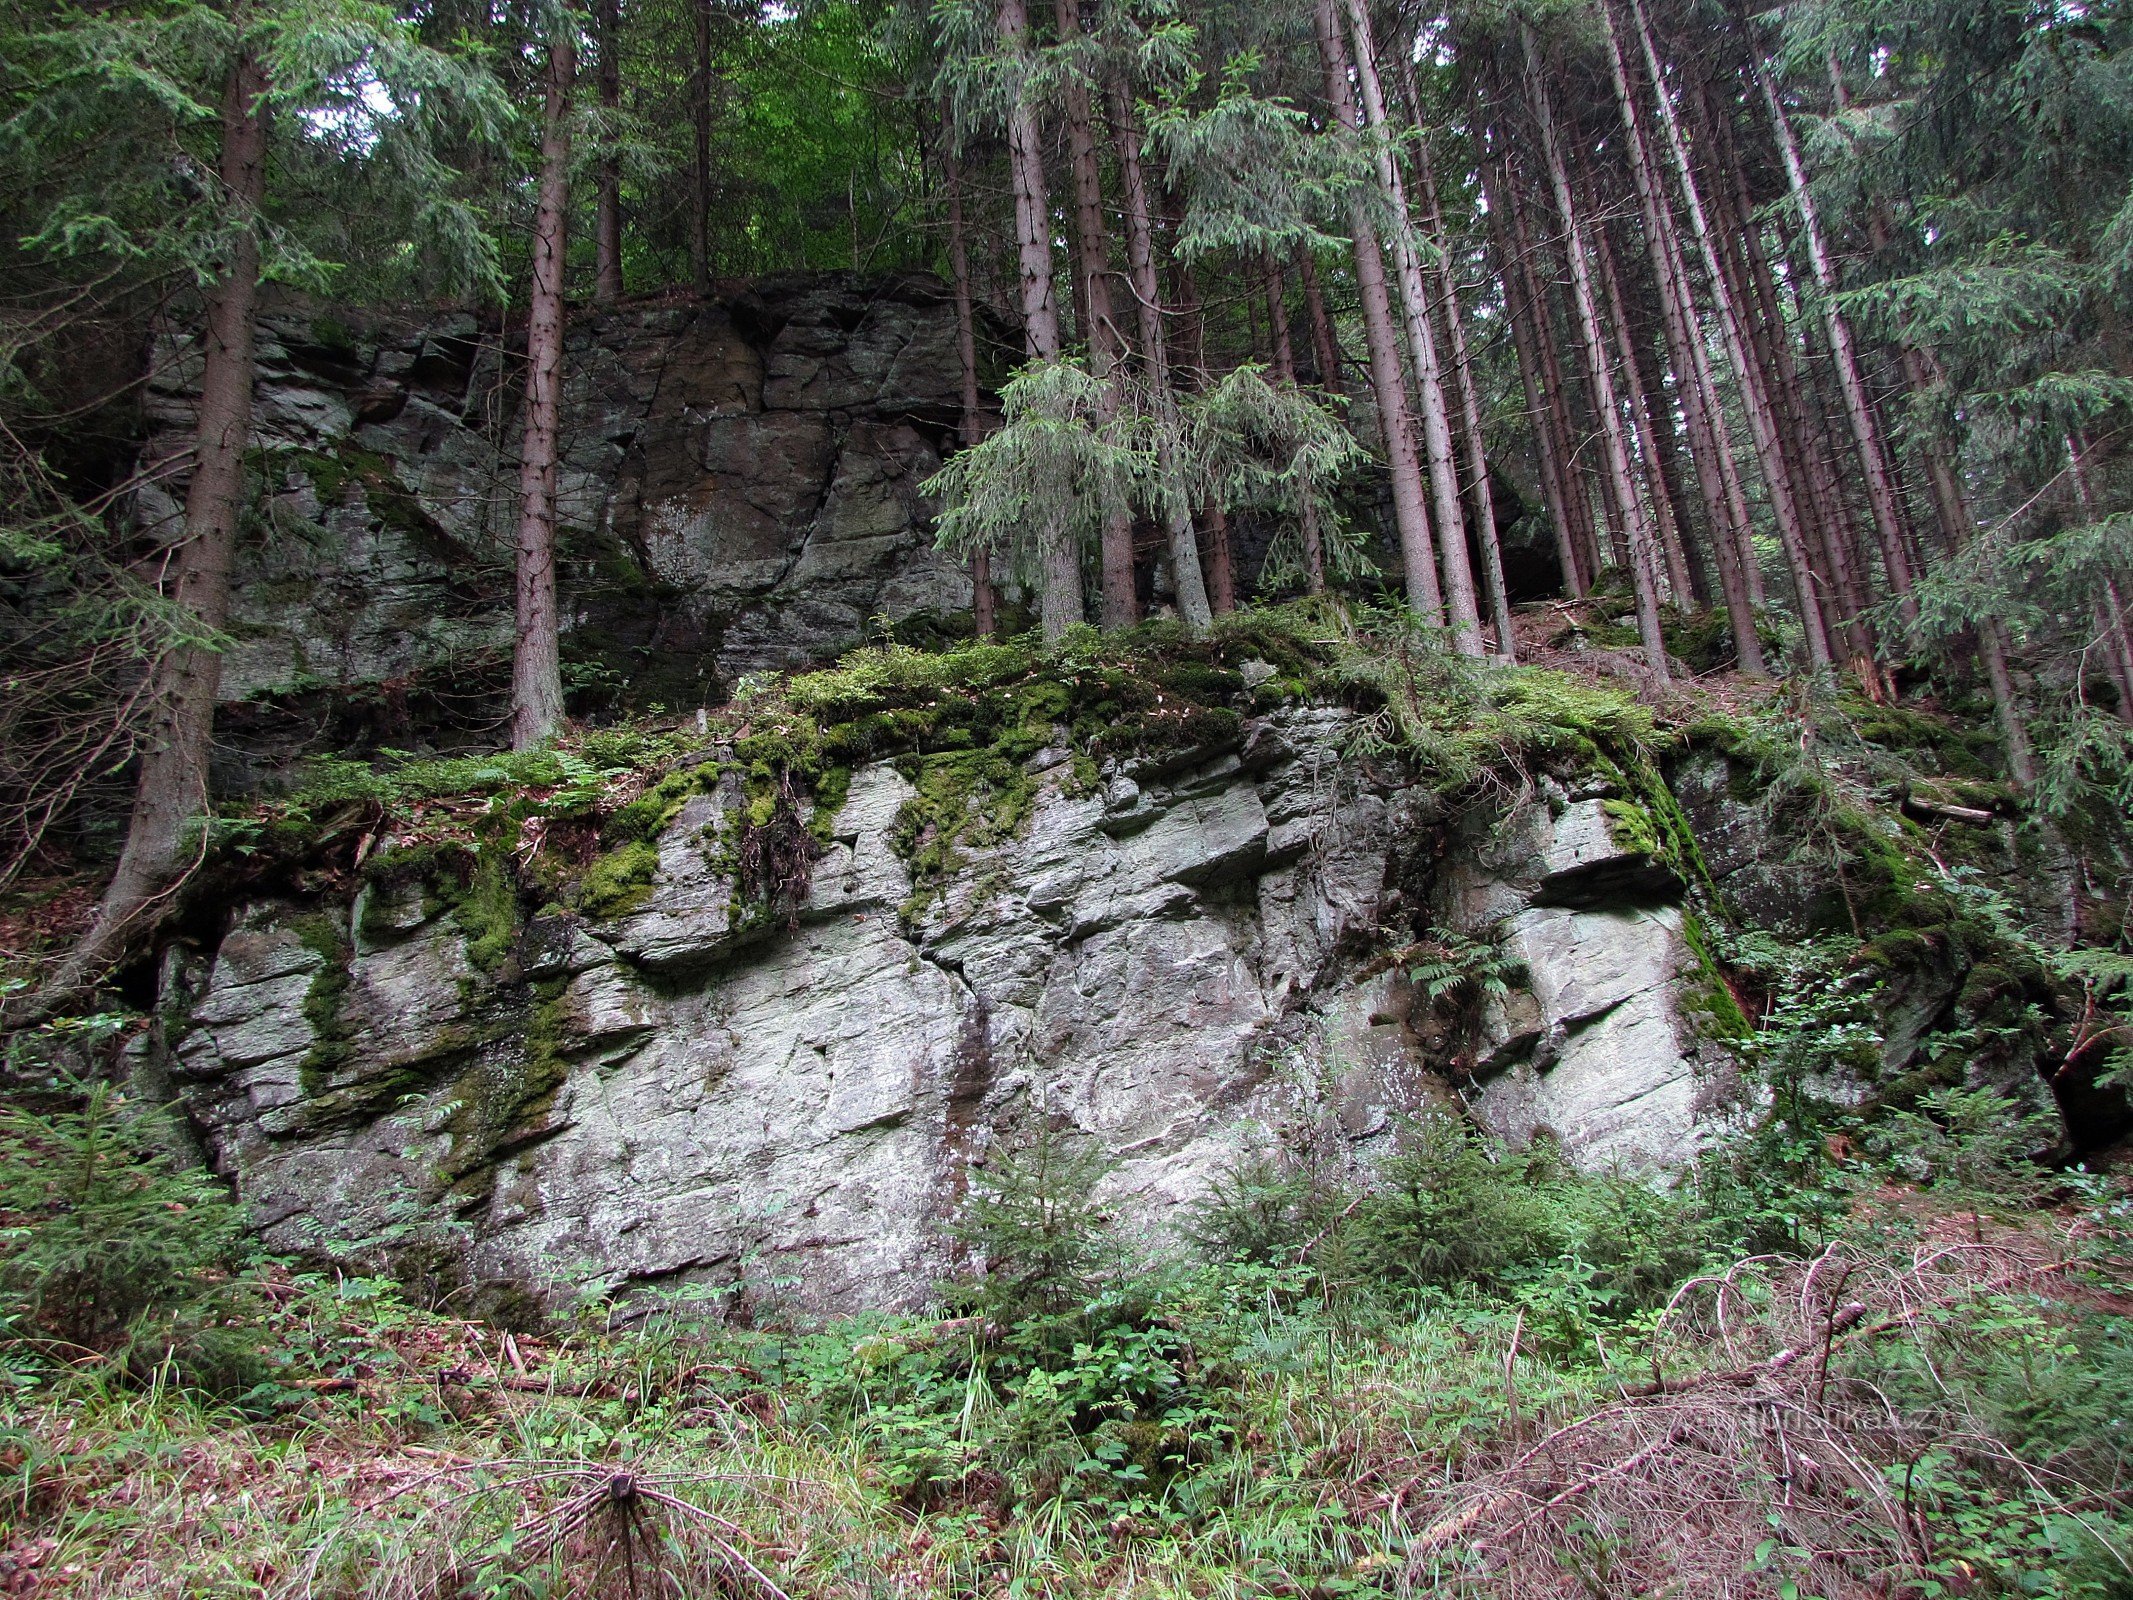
[{"x": 762, "y": 1031}]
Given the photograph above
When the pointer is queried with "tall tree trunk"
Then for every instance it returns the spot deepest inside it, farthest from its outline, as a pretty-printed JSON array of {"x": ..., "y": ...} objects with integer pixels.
[
  {"x": 1754, "y": 285},
  {"x": 170, "y": 794},
  {"x": 700, "y": 187},
  {"x": 1725, "y": 506},
  {"x": 1858, "y": 407},
  {"x": 972, "y": 429},
  {"x": 1388, "y": 383},
  {"x": 1059, "y": 578},
  {"x": 1647, "y": 343},
  {"x": 536, "y": 661},
  {"x": 1668, "y": 531},
  {"x": 607, "y": 209},
  {"x": 1449, "y": 515},
  {"x": 1520, "y": 303},
  {"x": 1193, "y": 602},
  {"x": 1643, "y": 560},
  {"x": 1754, "y": 400},
  {"x": 1219, "y": 581},
  {"x": 1463, "y": 383},
  {"x": 1559, "y": 404},
  {"x": 1277, "y": 317},
  {"x": 1092, "y": 277},
  {"x": 1325, "y": 349}
]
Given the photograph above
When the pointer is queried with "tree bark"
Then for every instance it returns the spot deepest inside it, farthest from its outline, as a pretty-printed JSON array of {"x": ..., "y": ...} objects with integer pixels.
[
  {"x": 1859, "y": 410},
  {"x": 1092, "y": 275},
  {"x": 972, "y": 428},
  {"x": 1184, "y": 362},
  {"x": 1725, "y": 506},
  {"x": 170, "y": 793},
  {"x": 700, "y": 188},
  {"x": 1059, "y": 577},
  {"x": 607, "y": 209},
  {"x": 1325, "y": 350},
  {"x": 1277, "y": 317},
  {"x": 1448, "y": 515},
  {"x": 1643, "y": 562},
  {"x": 1194, "y": 605},
  {"x": 536, "y": 662},
  {"x": 1640, "y": 417},
  {"x": 1769, "y": 339},
  {"x": 1755, "y": 401},
  {"x": 1525, "y": 310},
  {"x": 1387, "y": 382},
  {"x": 1464, "y": 385}
]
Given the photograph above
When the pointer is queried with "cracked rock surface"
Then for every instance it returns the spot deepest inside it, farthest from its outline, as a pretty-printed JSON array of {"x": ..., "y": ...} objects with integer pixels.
[
  {"x": 738, "y": 490},
  {"x": 1175, "y": 963}
]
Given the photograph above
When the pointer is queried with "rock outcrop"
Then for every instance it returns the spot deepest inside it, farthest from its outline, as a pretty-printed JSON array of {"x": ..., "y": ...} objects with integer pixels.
[
  {"x": 1178, "y": 959},
  {"x": 740, "y": 488}
]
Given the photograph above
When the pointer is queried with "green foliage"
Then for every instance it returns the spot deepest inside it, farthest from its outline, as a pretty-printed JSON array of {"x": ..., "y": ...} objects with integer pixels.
[
  {"x": 115, "y": 1251},
  {"x": 1274, "y": 449},
  {"x": 1971, "y": 1142},
  {"x": 1064, "y": 457},
  {"x": 1033, "y": 1217}
]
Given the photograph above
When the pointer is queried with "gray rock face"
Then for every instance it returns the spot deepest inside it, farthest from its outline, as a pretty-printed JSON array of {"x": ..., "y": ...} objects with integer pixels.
[
  {"x": 1176, "y": 966},
  {"x": 739, "y": 487},
  {"x": 1593, "y": 1051}
]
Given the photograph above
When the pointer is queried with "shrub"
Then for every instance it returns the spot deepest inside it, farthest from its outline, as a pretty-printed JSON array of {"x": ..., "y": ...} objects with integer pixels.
[
  {"x": 112, "y": 1249},
  {"x": 1449, "y": 1208}
]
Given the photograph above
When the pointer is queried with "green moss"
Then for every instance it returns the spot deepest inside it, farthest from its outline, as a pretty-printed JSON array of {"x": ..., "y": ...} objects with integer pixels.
[
  {"x": 620, "y": 881},
  {"x": 1706, "y": 997},
  {"x": 488, "y": 912},
  {"x": 504, "y": 1096},
  {"x": 1633, "y": 828},
  {"x": 332, "y": 1042},
  {"x": 646, "y": 817}
]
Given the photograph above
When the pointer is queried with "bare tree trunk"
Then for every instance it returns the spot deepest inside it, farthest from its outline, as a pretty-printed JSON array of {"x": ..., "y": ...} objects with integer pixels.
[
  {"x": 170, "y": 794},
  {"x": 1866, "y": 435},
  {"x": 536, "y": 662},
  {"x": 972, "y": 429},
  {"x": 1725, "y": 506},
  {"x": 1325, "y": 350},
  {"x": 1387, "y": 381},
  {"x": 1277, "y": 318},
  {"x": 1755, "y": 401},
  {"x": 1449, "y": 516},
  {"x": 607, "y": 208},
  {"x": 1468, "y": 391},
  {"x": 1992, "y": 654},
  {"x": 1643, "y": 562},
  {"x": 1192, "y": 589},
  {"x": 1520, "y": 295},
  {"x": 1092, "y": 277},
  {"x": 1059, "y": 579},
  {"x": 1640, "y": 417},
  {"x": 1754, "y": 286},
  {"x": 700, "y": 189}
]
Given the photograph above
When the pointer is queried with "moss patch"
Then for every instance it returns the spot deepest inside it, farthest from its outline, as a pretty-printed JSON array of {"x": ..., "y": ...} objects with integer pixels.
[
  {"x": 332, "y": 1043},
  {"x": 620, "y": 881}
]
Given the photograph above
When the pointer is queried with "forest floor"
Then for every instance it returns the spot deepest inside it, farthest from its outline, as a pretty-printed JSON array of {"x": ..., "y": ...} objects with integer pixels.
[{"x": 1932, "y": 1402}]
